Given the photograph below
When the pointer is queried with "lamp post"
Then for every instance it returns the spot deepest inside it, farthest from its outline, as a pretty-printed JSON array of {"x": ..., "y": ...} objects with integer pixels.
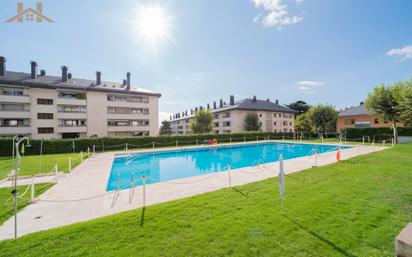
[{"x": 16, "y": 147}]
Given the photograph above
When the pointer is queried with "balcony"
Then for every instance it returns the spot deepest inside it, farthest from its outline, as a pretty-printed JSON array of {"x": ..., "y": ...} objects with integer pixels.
[
  {"x": 19, "y": 130},
  {"x": 126, "y": 128},
  {"x": 71, "y": 129},
  {"x": 71, "y": 115},
  {"x": 14, "y": 114},
  {"x": 70, "y": 101},
  {"x": 15, "y": 99}
]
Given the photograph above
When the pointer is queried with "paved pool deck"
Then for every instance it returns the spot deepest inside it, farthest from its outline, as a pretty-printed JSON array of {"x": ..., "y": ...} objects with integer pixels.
[{"x": 81, "y": 195}]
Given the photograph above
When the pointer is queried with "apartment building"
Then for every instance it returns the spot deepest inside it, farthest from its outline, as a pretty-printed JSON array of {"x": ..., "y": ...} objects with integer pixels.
[
  {"x": 360, "y": 117},
  {"x": 42, "y": 106},
  {"x": 229, "y": 118}
]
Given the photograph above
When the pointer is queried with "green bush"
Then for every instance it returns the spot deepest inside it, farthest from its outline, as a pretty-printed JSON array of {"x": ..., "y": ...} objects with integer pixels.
[
  {"x": 56, "y": 146},
  {"x": 377, "y": 133}
]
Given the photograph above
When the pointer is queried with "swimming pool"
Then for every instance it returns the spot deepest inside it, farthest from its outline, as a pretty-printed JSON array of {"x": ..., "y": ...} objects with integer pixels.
[{"x": 167, "y": 165}]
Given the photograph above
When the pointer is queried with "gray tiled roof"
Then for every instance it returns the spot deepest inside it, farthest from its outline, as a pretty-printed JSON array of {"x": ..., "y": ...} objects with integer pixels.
[
  {"x": 353, "y": 111},
  {"x": 55, "y": 82}
]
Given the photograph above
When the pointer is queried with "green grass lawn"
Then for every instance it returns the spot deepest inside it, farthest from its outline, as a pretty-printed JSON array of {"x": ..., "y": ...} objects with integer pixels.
[
  {"x": 6, "y": 203},
  {"x": 352, "y": 208},
  {"x": 33, "y": 164}
]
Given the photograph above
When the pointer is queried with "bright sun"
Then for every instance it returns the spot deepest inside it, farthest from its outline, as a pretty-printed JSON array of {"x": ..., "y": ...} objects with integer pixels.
[{"x": 153, "y": 24}]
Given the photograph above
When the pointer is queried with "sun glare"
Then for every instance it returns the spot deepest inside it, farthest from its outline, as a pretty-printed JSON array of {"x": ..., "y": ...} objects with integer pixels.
[{"x": 153, "y": 24}]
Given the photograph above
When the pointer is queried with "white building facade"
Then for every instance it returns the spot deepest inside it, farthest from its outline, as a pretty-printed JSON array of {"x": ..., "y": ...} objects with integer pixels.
[
  {"x": 229, "y": 118},
  {"x": 41, "y": 106}
]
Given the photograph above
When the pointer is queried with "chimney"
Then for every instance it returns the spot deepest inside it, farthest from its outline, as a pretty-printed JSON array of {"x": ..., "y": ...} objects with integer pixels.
[
  {"x": 201, "y": 108},
  {"x": 64, "y": 73},
  {"x": 221, "y": 103},
  {"x": 208, "y": 106},
  {"x": 33, "y": 65},
  {"x": 277, "y": 101},
  {"x": 128, "y": 81},
  {"x": 267, "y": 100},
  {"x": 98, "y": 78},
  {"x": 361, "y": 103},
  {"x": 2, "y": 65},
  {"x": 186, "y": 113},
  {"x": 43, "y": 73},
  {"x": 170, "y": 117},
  {"x": 69, "y": 76},
  {"x": 39, "y": 8},
  {"x": 232, "y": 100},
  {"x": 196, "y": 109},
  {"x": 254, "y": 99},
  {"x": 214, "y": 105},
  {"x": 20, "y": 10}
]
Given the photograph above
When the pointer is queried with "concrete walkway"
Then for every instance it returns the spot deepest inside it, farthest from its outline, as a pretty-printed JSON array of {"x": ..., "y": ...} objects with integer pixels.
[{"x": 81, "y": 195}]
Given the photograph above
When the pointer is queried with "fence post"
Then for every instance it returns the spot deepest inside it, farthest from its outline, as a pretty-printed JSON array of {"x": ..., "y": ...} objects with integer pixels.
[
  {"x": 363, "y": 140},
  {"x": 81, "y": 156},
  {"x": 322, "y": 139},
  {"x": 283, "y": 138},
  {"x": 70, "y": 164},
  {"x": 383, "y": 143},
  {"x": 127, "y": 147},
  {"x": 144, "y": 190},
  {"x": 88, "y": 152},
  {"x": 197, "y": 141},
  {"x": 94, "y": 149},
  {"x": 153, "y": 144},
  {"x": 244, "y": 139},
  {"x": 32, "y": 189},
  {"x": 230, "y": 139},
  {"x": 228, "y": 172},
  {"x": 257, "y": 138},
  {"x": 393, "y": 142},
  {"x": 177, "y": 143}
]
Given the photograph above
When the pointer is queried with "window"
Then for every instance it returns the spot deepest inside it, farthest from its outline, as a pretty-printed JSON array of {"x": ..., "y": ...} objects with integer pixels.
[
  {"x": 72, "y": 95},
  {"x": 45, "y": 116},
  {"x": 260, "y": 115},
  {"x": 12, "y": 91},
  {"x": 71, "y": 108},
  {"x": 349, "y": 121},
  {"x": 45, "y": 130},
  {"x": 44, "y": 101},
  {"x": 216, "y": 125},
  {"x": 274, "y": 123},
  {"x": 226, "y": 115},
  {"x": 285, "y": 123},
  {"x": 72, "y": 123},
  {"x": 376, "y": 121},
  {"x": 216, "y": 115},
  {"x": 13, "y": 107},
  {"x": 136, "y": 99},
  {"x": 226, "y": 124}
]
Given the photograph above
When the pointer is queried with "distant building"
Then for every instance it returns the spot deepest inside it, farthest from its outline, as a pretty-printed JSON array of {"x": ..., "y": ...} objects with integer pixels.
[
  {"x": 42, "y": 106},
  {"x": 359, "y": 117},
  {"x": 229, "y": 118}
]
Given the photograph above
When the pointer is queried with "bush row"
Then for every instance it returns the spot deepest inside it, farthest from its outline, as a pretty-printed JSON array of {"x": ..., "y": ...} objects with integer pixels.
[
  {"x": 111, "y": 143},
  {"x": 376, "y": 133}
]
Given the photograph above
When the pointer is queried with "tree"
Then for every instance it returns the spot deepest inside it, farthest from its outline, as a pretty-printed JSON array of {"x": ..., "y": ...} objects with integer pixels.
[
  {"x": 384, "y": 101},
  {"x": 202, "y": 122},
  {"x": 165, "y": 129},
  {"x": 322, "y": 118},
  {"x": 403, "y": 96},
  {"x": 251, "y": 122},
  {"x": 299, "y": 106},
  {"x": 302, "y": 123}
]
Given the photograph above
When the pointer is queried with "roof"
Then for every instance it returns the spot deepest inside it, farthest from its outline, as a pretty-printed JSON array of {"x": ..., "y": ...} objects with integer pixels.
[
  {"x": 248, "y": 104},
  {"x": 55, "y": 82},
  {"x": 354, "y": 111}
]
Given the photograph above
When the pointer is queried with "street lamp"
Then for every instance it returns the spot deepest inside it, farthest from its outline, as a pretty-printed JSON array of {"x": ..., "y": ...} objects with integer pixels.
[{"x": 16, "y": 154}]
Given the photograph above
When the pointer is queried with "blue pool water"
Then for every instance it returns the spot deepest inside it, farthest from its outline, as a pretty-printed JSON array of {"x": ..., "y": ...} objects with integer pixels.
[{"x": 174, "y": 164}]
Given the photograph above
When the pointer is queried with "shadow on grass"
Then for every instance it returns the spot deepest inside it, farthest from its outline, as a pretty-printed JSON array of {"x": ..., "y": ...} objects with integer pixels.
[
  {"x": 142, "y": 216},
  {"x": 240, "y": 192},
  {"x": 312, "y": 233}
]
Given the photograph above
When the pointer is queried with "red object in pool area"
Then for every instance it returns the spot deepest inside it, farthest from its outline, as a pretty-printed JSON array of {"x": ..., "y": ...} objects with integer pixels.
[
  {"x": 213, "y": 141},
  {"x": 338, "y": 155}
]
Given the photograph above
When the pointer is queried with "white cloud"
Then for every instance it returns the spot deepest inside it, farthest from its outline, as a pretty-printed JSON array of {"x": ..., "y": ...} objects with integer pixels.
[
  {"x": 163, "y": 116},
  {"x": 404, "y": 53},
  {"x": 276, "y": 13},
  {"x": 308, "y": 86}
]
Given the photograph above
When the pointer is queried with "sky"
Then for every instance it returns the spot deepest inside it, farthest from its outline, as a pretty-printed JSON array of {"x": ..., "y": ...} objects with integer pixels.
[{"x": 319, "y": 51}]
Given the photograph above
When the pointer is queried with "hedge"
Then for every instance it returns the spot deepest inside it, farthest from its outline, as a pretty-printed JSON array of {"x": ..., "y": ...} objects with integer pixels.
[
  {"x": 376, "y": 133},
  {"x": 111, "y": 143}
]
